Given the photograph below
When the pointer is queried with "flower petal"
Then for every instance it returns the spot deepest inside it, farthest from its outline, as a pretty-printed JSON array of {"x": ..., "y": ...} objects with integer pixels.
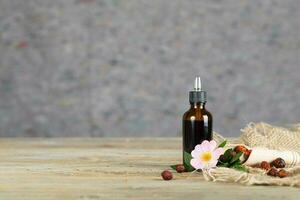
[
  {"x": 213, "y": 145},
  {"x": 205, "y": 145},
  {"x": 212, "y": 163},
  {"x": 198, "y": 147},
  {"x": 196, "y": 164},
  {"x": 208, "y": 165},
  {"x": 217, "y": 153},
  {"x": 196, "y": 153}
]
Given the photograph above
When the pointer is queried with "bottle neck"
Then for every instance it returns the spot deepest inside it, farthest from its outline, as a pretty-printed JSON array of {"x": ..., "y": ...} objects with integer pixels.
[{"x": 200, "y": 105}]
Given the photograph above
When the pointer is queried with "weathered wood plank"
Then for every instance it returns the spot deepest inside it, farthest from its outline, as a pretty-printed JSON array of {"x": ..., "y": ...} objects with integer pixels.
[{"x": 109, "y": 168}]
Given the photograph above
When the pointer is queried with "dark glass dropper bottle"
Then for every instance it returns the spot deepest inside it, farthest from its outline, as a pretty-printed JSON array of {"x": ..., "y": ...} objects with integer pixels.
[{"x": 197, "y": 121}]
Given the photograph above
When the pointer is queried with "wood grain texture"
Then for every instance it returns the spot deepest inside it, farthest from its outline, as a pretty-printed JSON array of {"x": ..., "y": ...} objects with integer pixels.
[{"x": 109, "y": 168}]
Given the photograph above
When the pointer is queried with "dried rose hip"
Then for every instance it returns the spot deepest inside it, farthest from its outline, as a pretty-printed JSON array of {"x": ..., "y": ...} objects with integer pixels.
[
  {"x": 278, "y": 163},
  {"x": 180, "y": 168},
  {"x": 282, "y": 173},
  {"x": 273, "y": 172},
  {"x": 240, "y": 148},
  {"x": 167, "y": 175},
  {"x": 265, "y": 165}
]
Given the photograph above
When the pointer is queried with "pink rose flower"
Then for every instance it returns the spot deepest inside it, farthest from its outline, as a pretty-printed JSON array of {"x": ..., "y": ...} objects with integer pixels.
[{"x": 206, "y": 155}]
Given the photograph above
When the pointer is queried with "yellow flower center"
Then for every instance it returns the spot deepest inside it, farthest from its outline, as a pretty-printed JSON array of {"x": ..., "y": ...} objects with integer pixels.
[{"x": 206, "y": 156}]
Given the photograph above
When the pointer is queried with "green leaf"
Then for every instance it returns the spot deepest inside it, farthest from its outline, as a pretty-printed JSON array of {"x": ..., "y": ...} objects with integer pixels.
[
  {"x": 222, "y": 144},
  {"x": 173, "y": 166},
  {"x": 222, "y": 164},
  {"x": 236, "y": 157},
  {"x": 236, "y": 163},
  {"x": 240, "y": 168},
  {"x": 226, "y": 157},
  {"x": 186, "y": 161},
  {"x": 187, "y": 156},
  {"x": 228, "y": 152}
]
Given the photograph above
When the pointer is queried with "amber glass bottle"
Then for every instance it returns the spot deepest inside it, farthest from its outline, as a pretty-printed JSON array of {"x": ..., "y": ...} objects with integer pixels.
[{"x": 197, "y": 121}]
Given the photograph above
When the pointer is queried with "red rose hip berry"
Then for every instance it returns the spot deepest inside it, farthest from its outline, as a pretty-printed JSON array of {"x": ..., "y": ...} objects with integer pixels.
[
  {"x": 282, "y": 173},
  {"x": 180, "y": 168},
  {"x": 278, "y": 163},
  {"x": 265, "y": 165},
  {"x": 240, "y": 148},
  {"x": 167, "y": 175},
  {"x": 247, "y": 153},
  {"x": 273, "y": 172}
]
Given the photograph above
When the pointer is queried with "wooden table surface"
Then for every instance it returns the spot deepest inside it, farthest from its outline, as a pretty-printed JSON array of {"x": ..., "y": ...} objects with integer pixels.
[{"x": 109, "y": 168}]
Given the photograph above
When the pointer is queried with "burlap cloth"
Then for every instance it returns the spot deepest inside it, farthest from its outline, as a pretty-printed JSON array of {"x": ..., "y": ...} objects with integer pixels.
[{"x": 261, "y": 135}]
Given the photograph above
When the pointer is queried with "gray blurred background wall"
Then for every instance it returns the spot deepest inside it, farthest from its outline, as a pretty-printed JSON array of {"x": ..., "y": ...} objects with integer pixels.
[{"x": 124, "y": 67}]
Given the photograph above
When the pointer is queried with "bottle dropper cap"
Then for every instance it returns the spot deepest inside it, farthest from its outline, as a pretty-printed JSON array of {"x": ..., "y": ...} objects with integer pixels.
[{"x": 197, "y": 95}]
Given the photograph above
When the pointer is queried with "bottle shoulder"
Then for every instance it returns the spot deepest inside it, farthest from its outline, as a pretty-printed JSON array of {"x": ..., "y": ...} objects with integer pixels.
[
  {"x": 197, "y": 114},
  {"x": 206, "y": 112}
]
